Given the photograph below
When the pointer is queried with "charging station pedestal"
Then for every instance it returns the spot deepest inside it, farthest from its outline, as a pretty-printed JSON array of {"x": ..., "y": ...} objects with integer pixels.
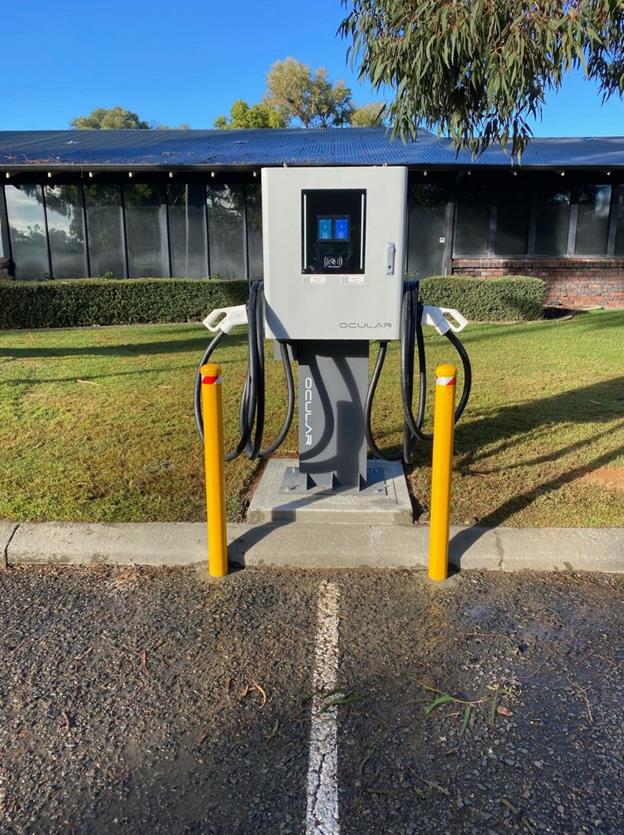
[{"x": 333, "y": 379}]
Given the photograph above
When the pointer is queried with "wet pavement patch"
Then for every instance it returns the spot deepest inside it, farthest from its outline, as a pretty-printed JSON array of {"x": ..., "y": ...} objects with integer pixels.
[
  {"x": 494, "y": 706},
  {"x": 140, "y": 700}
]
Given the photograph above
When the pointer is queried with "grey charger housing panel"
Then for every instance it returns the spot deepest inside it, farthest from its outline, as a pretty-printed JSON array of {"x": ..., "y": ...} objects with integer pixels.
[{"x": 334, "y": 251}]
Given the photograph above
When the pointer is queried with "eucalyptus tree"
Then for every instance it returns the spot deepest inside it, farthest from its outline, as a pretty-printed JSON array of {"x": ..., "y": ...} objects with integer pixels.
[{"x": 479, "y": 70}]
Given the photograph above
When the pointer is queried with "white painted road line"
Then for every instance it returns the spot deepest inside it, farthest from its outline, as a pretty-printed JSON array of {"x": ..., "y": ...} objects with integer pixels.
[{"x": 322, "y": 814}]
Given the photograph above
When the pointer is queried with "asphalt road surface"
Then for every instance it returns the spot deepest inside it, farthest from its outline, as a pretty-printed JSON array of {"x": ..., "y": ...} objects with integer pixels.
[{"x": 144, "y": 701}]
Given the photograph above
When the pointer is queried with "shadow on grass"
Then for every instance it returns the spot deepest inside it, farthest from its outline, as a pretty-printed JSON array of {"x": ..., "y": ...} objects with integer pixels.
[
  {"x": 462, "y": 541},
  {"x": 167, "y": 346},
  {"x": 87, "y": 378},
  {"x": 599, "y": 403},
  {"x": 577, "y": 446}
]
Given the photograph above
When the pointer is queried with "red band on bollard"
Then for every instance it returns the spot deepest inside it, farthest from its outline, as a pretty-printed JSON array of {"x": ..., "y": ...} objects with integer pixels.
[
  {"x": 207, "y": 381},
  {"x": 446, "y": 381}
]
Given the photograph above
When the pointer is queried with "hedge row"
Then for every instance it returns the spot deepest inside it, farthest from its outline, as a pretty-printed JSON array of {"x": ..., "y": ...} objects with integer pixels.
[
  {"x": 510, "y": 298},
  {"x": 93, "y": 301}
]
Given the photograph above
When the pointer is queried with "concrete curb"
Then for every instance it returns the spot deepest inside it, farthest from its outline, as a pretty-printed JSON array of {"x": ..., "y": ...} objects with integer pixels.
[
  {"x": 310, "y": 545},
  {"x": 78, "y": 543}
]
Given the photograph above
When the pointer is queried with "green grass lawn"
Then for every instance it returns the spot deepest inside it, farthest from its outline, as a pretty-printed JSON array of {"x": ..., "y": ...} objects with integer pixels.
[{"x": 97, "y": 423}]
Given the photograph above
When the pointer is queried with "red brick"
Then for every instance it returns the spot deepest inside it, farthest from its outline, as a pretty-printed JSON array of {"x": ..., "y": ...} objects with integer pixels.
[{"x": 572, "y": 282}]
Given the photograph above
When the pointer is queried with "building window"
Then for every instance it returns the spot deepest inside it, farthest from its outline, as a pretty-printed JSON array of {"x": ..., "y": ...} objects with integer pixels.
[
  {"x": 592, "y": 227},
  {"x": 226, "y": 206},
  {"x": 254, "y": 231},
  {"x": 105, "y": 226},
  {"x": 472, "y": 220},
  {"x": 5, "y": 249},
  {"x": 512, "y": 222},
  {"x": 146, "y": 226},
  {"x": 619, "y": 230},
  {"x": 28, "y": 234},
  {"x": 427, "y": 228},
  {"x": 187, "y": 230},
  {"x": 66, "y": 231},
  {"x": 552, "y": 220}
]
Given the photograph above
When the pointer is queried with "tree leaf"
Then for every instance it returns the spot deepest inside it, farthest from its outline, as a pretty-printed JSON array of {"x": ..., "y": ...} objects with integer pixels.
[
  {"x": 466, "y": 719},
  {"x": 440, "y": 700}
]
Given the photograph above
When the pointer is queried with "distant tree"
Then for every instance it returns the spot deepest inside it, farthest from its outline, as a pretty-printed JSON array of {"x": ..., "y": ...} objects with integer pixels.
[
  {"x": 158, "y": 126},
  {"x": 242, "y": 115},
  {"x": 369, "y": 116},
  {"x": 298, "y": 94},
  {"x": 111, "y": 118},
  {"x": 480, "y": 70}
]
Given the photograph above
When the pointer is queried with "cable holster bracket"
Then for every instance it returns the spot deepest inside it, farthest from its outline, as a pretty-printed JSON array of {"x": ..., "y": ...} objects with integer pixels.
[
  {"x": 225, "y": 318},
  {"x": 436, "y": 317}
]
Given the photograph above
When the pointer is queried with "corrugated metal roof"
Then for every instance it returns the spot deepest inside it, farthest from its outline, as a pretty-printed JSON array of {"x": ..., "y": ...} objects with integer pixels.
[{"x": 255, "y": 148}]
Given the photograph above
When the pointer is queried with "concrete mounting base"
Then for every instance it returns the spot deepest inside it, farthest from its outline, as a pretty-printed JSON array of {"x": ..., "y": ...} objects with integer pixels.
[{"x": 281, "y": 496}]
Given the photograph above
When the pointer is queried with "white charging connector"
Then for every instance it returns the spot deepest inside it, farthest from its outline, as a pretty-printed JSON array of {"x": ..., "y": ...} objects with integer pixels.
[
  {"x": 436, "y": 317},
  {"x": 225, "y": 318}
]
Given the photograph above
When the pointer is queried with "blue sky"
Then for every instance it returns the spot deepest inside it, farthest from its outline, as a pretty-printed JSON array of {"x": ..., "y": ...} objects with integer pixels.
[{"x": 187, "y": 62}]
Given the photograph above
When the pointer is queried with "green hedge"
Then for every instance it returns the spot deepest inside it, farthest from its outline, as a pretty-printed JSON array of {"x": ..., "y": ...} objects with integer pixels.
[
  {"x": 510, "y": 298},
  {"x": 95, "y": 301}
]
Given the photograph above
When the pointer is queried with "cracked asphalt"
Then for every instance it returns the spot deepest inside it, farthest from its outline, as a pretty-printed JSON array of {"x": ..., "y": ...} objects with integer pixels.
[{"x": 142, "y": 700}]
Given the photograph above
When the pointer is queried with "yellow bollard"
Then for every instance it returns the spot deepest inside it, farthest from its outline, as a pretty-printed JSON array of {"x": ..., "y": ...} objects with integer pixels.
[
  {"x": 212, "y": 411},
  {"x": 443, "y": 429}
]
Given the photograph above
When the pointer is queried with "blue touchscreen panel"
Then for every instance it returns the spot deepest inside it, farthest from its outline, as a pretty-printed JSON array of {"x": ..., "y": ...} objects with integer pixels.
[
  {"x": 341, "y": 232},
  {"x": 324, "y": 229}
]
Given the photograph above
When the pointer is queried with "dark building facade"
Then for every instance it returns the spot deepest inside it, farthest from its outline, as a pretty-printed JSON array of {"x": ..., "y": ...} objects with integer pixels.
[{"x": 188, "y": 204}]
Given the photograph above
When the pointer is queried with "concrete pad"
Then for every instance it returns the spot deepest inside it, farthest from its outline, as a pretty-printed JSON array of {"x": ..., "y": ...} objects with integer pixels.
[
  {"x": 303, "y": 545},
  {"x": 386, "y": 503},
  {"x": 7, "y": 530}
]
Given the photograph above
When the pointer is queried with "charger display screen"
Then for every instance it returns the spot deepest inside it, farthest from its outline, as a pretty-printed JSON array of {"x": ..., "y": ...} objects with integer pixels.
[
  {"x": 333, "y": 230},
  {"x": 325, "y": 229},
  {"x": 341, "y": 229}
]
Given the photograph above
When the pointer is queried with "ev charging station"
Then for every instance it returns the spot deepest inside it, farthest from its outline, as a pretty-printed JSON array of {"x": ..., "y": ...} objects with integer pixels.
[
  {"x": 335, "y": 248},
  {"x": 334, "y": 241}
]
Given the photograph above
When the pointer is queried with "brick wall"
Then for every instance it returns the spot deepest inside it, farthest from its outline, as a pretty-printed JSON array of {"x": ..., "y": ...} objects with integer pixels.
[{"x": 573, "y": 282}]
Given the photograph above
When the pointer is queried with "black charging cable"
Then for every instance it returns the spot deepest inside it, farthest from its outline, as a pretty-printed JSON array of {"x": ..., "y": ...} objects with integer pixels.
[
  {"x": 412, "y": 341},
  {"x": 252, "y": 404}
]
